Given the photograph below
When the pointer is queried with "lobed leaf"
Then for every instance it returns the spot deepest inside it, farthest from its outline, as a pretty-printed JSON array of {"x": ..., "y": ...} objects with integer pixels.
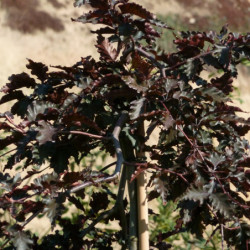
[
  {"x": 46, "y": 132},
  {"x": 137, "y": 108},
  {"x": 161, "y": 187},
  {"x": 135, "y": 9},
  {"x": 106, "y": 50},
  {"x": 18, "y": 81},
  {"x": 221, "y": 203},
  {"x": 38, "y": 69}
]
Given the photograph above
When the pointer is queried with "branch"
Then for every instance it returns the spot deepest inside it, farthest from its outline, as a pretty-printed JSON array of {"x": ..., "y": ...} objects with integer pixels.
[
  {"x": 147, "y": 55},
  {"x": 8, "y": 152},
  {"x": 17, "y": 128},
  {"x": 102, "y": 216},
  {"x": 152, "y": 59},
  {"x": 108, "y": 166},
  {"x": 117, "y": 207},
  {"x": 210, "y": 237},
  {"x": 31, "y": 217},
  {"x": 74, "y": 132},
  {"x": 119, "y": 162},
  {"x": 171, "y": 172},
  {"x": 222, "y": 237},
  {"x": 189, "y": 59},
  {"x": 154, "y": 166}
]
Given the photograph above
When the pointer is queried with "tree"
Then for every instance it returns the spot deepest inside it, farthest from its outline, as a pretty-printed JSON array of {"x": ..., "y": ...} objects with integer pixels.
[{"x": 114, "y": 105}]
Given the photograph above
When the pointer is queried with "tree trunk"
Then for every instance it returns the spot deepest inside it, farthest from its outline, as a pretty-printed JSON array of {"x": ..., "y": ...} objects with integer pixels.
[{"x": 129, "y": 156}]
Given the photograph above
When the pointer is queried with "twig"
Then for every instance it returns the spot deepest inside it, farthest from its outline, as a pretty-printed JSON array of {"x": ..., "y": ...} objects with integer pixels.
[
  {"x": 189, "y": 59},
  {"x": 154, "y": 166},
  {"x": 152, "y": 59},
  {"x": 108, "y": 166},
  {"x": 117, "y": 207},
  {"x": 102, "y": 216},
  {"x": 231, "y": 228},
  {"x": 16, "y": 126},
  {"x": 222, "y": 237},
  {"x": 31, "y": 218},
  {"x": 5, "y": 243},
  {"x": 210, "y": 237},
  {"x": 147, "y": 55},
  {"x": 178, "y": 174},
  {"x": 85, "y": 134},
  {"x": 119, "y": 162},
  {"x": 8, "y": 152}
]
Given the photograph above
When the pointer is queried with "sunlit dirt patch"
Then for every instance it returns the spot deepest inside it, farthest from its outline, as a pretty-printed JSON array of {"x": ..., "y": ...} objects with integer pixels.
[
  {"x": 233, "y": 12},
  {"x": 26, "y": 16}
]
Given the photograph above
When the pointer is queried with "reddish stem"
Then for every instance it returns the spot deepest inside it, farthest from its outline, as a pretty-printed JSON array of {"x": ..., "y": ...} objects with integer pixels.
[
  {"x": 16, "y": 126},
  {"x": 85, "y": 134}
]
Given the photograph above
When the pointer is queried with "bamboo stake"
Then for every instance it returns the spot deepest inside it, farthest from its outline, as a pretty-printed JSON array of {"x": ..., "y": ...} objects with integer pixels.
[{"x": 143, "y": 231}]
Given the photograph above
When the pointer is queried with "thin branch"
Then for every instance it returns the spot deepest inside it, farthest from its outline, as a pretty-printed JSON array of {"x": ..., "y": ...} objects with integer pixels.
[
  {"x": 119, "y": 155},
  {"x": 108, "y": 166},
  {"x": 231, "y": 228},
  {"x": 16, "y": 126},
  {"x": 213, "y": 233},
  {"x": 74, "y": 132},
  {"x": 189, "y": 59},
  {"x": 154, "y": 166},
  {"x": 31, "y": 217},
  {"x": 90, "y": 183},
  {"x": 5, "y": 243},
  {"x": 178, "y": 174},
  {"x": 117, "y": 207},
  {"x": 8, "y": 152},
  {"x": 222, "y": 237},
  {"x": 152, "y": 59},
  {"x": 147, "y": 55},
  {"x": 102, "y": 216}
]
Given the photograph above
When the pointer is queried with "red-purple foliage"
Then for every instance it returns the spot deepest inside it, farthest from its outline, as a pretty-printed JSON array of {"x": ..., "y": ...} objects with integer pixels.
[{"x": 133, "y": 81}]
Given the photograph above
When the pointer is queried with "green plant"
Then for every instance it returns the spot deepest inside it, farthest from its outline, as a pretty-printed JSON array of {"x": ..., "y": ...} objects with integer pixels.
[
  {"x": 102, "y": 105},
  {"x": 164, "y": 222}
]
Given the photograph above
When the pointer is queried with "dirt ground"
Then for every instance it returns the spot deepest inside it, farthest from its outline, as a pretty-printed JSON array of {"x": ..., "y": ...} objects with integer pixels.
[{"x": 42, "y": 30}]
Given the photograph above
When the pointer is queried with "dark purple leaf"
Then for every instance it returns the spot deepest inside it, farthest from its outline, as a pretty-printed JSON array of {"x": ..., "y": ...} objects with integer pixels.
[
  {"x": 135, "y": 9},
  {"x": 106, "y": 50},
  {"x": 99, "y": 201},
  {"x": 46, "y": 132},
  {"x": 19, "y": 81},
  {"x": 38, "y": 69}
]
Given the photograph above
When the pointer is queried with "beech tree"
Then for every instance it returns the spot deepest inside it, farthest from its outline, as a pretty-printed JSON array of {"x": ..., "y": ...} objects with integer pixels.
[{"x": 61, "y": 115}]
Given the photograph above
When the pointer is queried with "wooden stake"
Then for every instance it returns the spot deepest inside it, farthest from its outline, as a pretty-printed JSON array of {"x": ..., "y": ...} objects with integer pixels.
[{"x": 143, "y": 232}]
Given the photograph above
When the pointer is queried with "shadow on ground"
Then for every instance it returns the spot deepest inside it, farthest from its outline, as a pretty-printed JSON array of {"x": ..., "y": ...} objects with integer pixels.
[{"x": 26, "y": 16}]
